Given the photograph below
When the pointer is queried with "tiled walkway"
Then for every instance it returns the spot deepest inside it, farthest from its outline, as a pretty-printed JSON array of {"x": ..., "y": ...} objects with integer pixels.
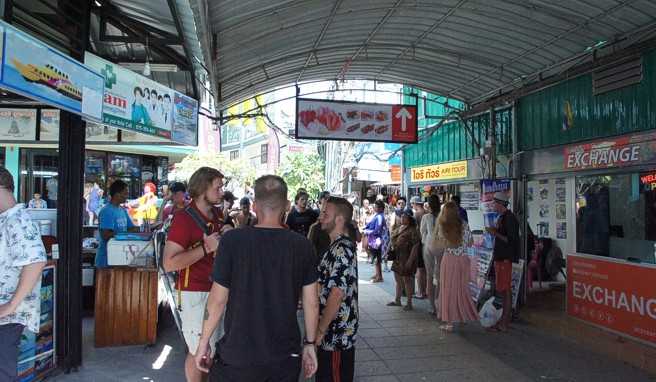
[{"x": 396, "y": 346}]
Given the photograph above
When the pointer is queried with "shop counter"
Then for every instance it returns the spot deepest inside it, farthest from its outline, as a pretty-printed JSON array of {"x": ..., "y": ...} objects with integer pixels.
[{"x": 126, "y": 306}]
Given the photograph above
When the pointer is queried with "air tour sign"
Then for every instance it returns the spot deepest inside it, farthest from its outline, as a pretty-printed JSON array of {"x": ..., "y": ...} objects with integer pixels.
[{"x": 354, "y": 121}]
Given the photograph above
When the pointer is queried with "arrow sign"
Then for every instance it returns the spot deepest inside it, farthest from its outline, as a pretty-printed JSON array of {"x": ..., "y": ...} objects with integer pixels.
[{"x": 404, "y": 115}]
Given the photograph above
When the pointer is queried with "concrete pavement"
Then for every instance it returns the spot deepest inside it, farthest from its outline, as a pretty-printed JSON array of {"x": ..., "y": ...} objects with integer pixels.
[{"x": 394, "y": 345}]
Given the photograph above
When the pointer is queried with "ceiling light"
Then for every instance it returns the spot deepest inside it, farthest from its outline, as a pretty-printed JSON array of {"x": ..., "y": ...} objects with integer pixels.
[
  {"x": 146, "y": 71},
  {"x": 141, "y": 66}
]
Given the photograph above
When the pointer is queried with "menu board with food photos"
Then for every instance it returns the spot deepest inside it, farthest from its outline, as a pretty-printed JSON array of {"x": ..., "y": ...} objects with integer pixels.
[{"x": 355, "y": 121}]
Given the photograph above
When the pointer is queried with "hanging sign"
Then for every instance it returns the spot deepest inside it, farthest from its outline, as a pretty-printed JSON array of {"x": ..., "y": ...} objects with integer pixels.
[
  {"x": 613, "y": 294},
  {"x": 35, "y": 70},
  {"x": 134, "y": 102},
  {"x": 442, "y": 171},
  {"x": 355, "y": 121}
]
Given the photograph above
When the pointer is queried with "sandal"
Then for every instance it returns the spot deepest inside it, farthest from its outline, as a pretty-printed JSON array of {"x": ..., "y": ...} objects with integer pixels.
[
  {"x": 407, "y": 308},
  {"x": 393, "y": 303}
]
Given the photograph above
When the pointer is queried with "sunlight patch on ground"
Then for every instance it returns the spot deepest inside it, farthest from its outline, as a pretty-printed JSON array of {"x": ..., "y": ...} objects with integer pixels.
[{"x": 159, "y": 362}]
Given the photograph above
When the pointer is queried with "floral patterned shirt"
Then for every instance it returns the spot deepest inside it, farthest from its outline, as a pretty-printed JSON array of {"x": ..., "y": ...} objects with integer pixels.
[
  {"x": 20, "y": 245},
  {"x": 339, "y": 269}
]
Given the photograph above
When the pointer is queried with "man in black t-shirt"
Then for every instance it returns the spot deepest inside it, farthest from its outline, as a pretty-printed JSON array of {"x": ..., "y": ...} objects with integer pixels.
[
  {"x": 301, "y": 218},
  {"x": 259, "y": 276}
]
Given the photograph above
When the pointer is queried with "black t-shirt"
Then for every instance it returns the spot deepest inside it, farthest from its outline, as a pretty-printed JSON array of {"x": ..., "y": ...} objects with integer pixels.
[
  {"x": 300, "y": 222},
  {"x": 508, "y": 226},
  {"x": 320, "y": 240},
  {"x": 265, "y": 270}
]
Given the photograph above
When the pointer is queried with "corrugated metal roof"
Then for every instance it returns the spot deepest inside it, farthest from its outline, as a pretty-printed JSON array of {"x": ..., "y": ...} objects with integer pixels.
[
  {"x": 464, "y": 49},
  {"x": 157, "y": 14}
]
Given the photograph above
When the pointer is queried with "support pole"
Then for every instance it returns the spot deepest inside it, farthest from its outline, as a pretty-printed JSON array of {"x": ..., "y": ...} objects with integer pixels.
[{"x": 69, "y": 230}]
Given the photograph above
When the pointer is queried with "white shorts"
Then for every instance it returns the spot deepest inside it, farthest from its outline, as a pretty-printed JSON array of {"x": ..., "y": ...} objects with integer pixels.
[{"x": 192, "y": 315}]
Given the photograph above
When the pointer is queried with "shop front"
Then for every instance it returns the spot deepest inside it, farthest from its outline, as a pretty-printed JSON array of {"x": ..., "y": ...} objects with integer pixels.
[
  {"x": 596, "y": 201},
  {"x": 462, "y": 178}
]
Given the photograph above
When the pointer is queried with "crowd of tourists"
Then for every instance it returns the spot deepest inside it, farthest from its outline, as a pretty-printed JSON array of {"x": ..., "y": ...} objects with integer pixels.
[{"x": 251, "y": 280}]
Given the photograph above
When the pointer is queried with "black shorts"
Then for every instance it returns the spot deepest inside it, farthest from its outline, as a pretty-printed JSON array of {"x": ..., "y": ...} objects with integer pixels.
[
  {"x": 336, "y": 365},
  {"x": 376, "y": 254},
  {"x": 287, "y": 370},
  {"x": 10, "y": 334}
]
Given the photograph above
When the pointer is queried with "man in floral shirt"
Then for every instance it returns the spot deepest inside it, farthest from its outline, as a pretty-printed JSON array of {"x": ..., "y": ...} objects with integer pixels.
[
  {"x": 338, "y": 296},
  {"x": 22, "y": 258}
]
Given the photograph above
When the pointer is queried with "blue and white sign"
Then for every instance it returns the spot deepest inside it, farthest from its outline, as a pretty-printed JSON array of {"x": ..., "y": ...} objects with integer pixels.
[{"x": 37, "y": 71}]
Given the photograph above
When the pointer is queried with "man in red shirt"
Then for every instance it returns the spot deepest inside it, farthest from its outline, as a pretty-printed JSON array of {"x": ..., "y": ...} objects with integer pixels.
[{"x": 191, "y": 251}]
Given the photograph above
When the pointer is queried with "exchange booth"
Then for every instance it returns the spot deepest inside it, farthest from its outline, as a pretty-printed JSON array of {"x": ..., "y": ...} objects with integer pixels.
[
  {"x": 126, "y": 293},
  {"x": 596, "y": 200}
]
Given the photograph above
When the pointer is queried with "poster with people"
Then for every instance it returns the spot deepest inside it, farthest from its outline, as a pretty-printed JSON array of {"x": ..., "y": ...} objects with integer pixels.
[
  {"x": 17, "y": 124},
  {"x": 137, "y": 103}
]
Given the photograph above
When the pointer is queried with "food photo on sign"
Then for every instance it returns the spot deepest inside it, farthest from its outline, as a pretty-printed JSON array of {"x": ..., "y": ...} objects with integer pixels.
[{"x": 338, "y": 120}]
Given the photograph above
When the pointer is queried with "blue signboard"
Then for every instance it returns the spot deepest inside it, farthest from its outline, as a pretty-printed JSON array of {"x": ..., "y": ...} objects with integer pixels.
[{"x": 37, "y": 71}]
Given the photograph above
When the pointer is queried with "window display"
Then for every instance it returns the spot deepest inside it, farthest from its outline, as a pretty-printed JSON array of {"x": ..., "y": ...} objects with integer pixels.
[{"x": 624, "y": 228}]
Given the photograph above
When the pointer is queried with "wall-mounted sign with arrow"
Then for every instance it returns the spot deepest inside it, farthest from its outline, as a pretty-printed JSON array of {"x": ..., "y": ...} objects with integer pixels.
[{"x": 355, "y": 121}]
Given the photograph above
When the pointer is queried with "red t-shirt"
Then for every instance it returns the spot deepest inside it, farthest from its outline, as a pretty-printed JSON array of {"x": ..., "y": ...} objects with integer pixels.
[{"x": 185, "y": 232}]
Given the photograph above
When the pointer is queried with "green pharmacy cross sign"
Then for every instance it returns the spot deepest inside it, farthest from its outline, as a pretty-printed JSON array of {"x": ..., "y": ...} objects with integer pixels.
[{"x": 110, "y": 76}]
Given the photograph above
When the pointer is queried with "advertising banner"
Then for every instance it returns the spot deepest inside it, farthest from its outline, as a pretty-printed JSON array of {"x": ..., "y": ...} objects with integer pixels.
[
  {"x": 185, "y": 123},
  {"x": 39, "y": 72},
  {"x": 134, "y": 102},
  {"x": 613, "y": 294},
  {"x": 49, "y": 125},
  {"x": 17, "y": 124},
  {"x": 481, "y": 254},
  {"x": 443, "y": 171},
  {"x": 354, "y": 121}
]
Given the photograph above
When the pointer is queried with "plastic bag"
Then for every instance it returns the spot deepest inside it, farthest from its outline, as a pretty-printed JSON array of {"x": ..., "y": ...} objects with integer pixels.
[{"x": 490, "y": 313}]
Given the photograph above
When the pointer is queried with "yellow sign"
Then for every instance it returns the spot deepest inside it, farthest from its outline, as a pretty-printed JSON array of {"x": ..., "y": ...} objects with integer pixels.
[{"x": 444, "y": 171}]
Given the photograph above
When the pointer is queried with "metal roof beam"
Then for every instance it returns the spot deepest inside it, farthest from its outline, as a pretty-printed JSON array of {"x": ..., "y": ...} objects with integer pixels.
[
  {"x": 371, "y": 35},
  {"x": 319, "y": 38},
  {"x": 419, "y": 39},
  {"x": 178, "y": 27}
]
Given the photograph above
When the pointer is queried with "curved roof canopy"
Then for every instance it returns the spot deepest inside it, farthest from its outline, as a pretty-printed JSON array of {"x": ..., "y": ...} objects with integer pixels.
[{"x": 466, "y": 49}]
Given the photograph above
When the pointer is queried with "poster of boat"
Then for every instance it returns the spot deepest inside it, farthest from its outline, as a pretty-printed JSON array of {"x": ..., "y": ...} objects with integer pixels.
[
  {"x": 17, "y": 124},
  {"x": 39, "y": 72}
]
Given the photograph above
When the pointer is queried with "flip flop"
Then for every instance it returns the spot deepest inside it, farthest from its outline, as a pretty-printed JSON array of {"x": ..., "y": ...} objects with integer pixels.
[
  {"x": 408, "y": 308},
  {"x": 393, "y": 303},
  {"x": 446, "y": 328}
]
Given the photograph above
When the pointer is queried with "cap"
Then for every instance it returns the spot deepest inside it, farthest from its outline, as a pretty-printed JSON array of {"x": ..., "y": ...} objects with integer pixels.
[
  {"x": 416, "y": 200},
  {"x": 245, "y": 201},
  {"x": 229, "y": 196},
  {"x": 177, "y": 187},
  {"x": 501, "y": 197}
]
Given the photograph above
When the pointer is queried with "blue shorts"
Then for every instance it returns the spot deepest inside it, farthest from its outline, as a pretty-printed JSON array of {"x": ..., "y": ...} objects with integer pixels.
[{"x": 10, "y": 334}]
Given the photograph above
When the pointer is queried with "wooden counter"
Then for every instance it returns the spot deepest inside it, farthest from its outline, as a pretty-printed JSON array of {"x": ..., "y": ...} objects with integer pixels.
[{"x": 125, "y": 306}]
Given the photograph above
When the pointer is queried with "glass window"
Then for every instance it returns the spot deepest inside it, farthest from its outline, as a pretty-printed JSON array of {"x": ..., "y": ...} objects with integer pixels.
[
  {"x": 39, "y": 174},
  {"x": 264, "y": 153},
  {"x": 128, "y": 169},
  {"x": 234, "y": 155},
  {"x": 616, "y": 216}
]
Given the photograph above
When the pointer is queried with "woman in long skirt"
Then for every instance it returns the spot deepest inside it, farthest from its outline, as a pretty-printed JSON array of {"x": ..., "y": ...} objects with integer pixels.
[{"x": 455, "y": 302}]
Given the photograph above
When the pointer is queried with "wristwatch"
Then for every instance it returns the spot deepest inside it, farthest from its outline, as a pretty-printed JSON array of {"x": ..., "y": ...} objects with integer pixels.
[{"x": 306, "y": 342}]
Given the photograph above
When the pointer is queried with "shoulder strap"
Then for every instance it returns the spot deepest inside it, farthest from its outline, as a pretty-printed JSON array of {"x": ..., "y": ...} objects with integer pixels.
[{"x": 200, "y": 222}]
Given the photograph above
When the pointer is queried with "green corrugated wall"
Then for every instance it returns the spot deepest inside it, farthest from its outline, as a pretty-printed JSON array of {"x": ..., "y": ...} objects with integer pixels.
[
  {"x": 451, "y": 143},
  {"x": 540, "y": 115}
]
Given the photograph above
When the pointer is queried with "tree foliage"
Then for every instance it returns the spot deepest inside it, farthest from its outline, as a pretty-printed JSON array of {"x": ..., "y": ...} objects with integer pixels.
[
  {"x": 303, "y": 170},
  {"x": 237, "y": 171}
]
